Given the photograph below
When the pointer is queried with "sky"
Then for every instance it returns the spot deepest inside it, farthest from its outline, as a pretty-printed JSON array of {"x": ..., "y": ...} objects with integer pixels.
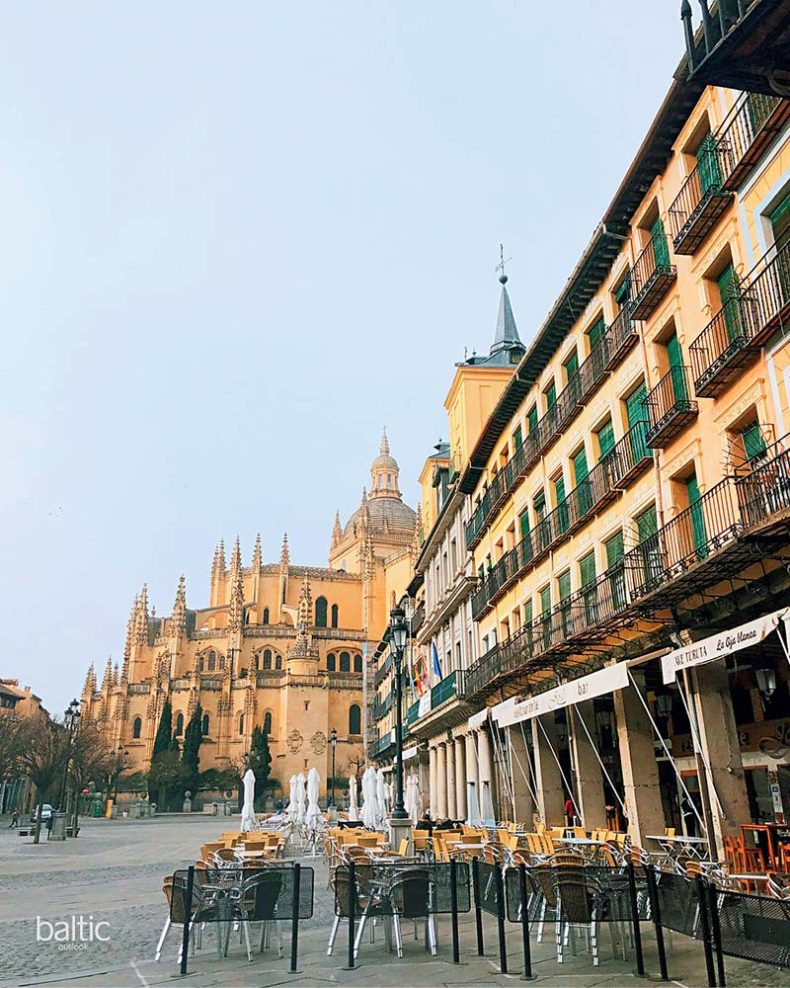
[{"x": 237, "y": 238}]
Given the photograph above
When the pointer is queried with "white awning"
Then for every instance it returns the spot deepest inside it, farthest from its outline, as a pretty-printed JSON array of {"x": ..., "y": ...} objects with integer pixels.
[
  {"x": 599, "y": 683},
  {"x": 719, "y": 645},
  {"x": 410, "y": 752},
  {"x": 477, "y": 720}
]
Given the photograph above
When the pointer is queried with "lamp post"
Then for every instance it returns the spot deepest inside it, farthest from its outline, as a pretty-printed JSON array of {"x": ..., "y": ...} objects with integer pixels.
[
  {"x": 333, "y": 743},
  {"x": 71, "y": 718},
  {"x": 398, "y": 634},
  {"x": 121, "y": 763}
]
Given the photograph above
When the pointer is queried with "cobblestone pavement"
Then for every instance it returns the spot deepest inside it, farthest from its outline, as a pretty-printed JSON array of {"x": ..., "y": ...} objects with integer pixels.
[{"x": 113, "y": 873}]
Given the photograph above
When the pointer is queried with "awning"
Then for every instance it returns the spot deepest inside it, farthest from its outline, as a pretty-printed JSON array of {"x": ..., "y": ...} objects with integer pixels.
[
  {"x": 599, "y": 683},
  {"x": 410, "y": 752},
  {"x": 477, "y": 720},
  {"x": 721, "y": 644}
]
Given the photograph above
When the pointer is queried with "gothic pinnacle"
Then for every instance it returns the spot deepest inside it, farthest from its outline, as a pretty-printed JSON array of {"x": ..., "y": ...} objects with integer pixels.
[
  {"x": 256, "y": 553},
  {"x": 285, "y": 553}
]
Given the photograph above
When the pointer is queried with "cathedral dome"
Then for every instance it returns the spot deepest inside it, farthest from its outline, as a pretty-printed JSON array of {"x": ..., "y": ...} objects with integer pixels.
[{"x": 383, "y": 509}]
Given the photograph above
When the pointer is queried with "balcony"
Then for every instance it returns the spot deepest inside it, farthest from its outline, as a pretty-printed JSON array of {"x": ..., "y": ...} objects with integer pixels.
[
  {"x": 621, "y": 336},
  {"x": 742, "y": 139},
  {"x": 764, "y": 493},
  {"x": 381, "y": 709},
  {"x": 699, "y": 204},
  {"x": 768, "y": 295},
  {"x": 669, "y": 408},
  {"x": 651, "y": 277},
  {"x": 721, "y": 349},
  {"x": 383, "y": 671}
]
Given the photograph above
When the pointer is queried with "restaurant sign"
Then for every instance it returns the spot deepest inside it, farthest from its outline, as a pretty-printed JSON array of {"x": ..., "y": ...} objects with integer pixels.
[{"x": 600, "y": 683}]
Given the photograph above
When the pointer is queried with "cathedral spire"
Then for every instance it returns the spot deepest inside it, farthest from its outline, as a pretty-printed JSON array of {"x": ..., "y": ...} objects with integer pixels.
[
  {"x": 106, "y": 683},
  {"x": 221, "y": 566},
  {"x": 256, "y": 554},
  {"x": 384, "y": 448},
  {"x": 506, "y": 336},
  {"x": 90, "y": 681},
  {"x": 235, "y": 556},
  {"x": 179, "y": 615},
  {"x": 337, "y": 531},
  {"x": 141, "y": 621},
  {"x": 236, "y": 614},
  {"x": 285, "y": 552},
  {"x": 116, "y": 679}
]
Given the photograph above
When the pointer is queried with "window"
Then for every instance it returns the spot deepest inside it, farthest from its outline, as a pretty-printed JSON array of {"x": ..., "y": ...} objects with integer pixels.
[
  {"x": 587, "y": 580},
  {"x": 780, "y": 224},
  {"x": 267, "y": 722},
  {"x": 345, "y": 662},
  {"x": 532, "y": 419},
  {"x": 357, "y": 663},
  {"x": 137, "y": 728},
  {"x": 596, "y": 332},
  {"x": 587, "y": 569},
  {"x": 545, "y": 600},
  {"x": 320, "y": 612},
  {"x": 179, "y": 725},
  {"x": 636, "y": 412},
  {"x": 222, "y": 661},
  {"x": 330, "y": 662},
  {"x": 267, "y": 659},
  {"x": 605, "y": 436},
  {"x": 241, "y": 723},
  {"x": 354, "y": 719},
  {"x": 622, "y": 294},
  {"x": 278, "y": 662},
  {"x": 523, "y": 524},
  {"x": 559, "y": 500},
  {"x": 204, "y": 727},
  {"x": 752, "y": 439},
  {"x": 698, "y": 533},
  {"x": 614, "y": 558},
  {"x": 201, "y": 664},
  {"x": 580, "y": 474},
  {"x": 551, "y": 396},
  {"x": 335, "y": 615},
  {"x": 212, "y": 661},
  {"x": 518, "y": 439},
  {"x": 649, "y": 549},
  {"x": 564, "y": 585},
  {"x": 526, "y": 609},
  {"x": 454, "y": 556},
  {"x": 266, "y": 615},
  {"x": 571, "y": 366}
]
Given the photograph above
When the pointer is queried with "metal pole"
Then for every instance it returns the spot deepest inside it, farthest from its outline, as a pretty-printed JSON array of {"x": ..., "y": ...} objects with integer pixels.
[
  {"x": 500, "y": 919},
  {"x": 399, "y": 810},
  {"x": 297, "y": 878},
  {"x": 454, "y": 908},
  {"x": 478, "y": 913},
  {"x": 655, "y": 911},
  {"x": 187, "y": 916},
  {"x": 716, "y": 931},
  {"x": 522, "y": 891},
  {"x": 640, "y": 959},
  {"x": 334, "y": 747},
  {"x": 699, "y": 887},
  {"x": 352, "y": 900}
]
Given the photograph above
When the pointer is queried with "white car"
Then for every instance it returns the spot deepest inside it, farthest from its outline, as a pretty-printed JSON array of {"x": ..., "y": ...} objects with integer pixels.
[{"x": 46, "y": 813}]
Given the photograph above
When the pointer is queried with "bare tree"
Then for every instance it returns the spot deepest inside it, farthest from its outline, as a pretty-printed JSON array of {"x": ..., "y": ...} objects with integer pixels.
[
  {"x": 11, "y": 738},
  {"x": 91, "y": 761},
  {"x": 42, "y": 754}
]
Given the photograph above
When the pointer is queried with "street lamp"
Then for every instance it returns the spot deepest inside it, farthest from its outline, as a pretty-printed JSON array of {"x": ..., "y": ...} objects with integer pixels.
[
  {"x": 333, "y": 743},
  {"x": 71, "y": 718},
  {"x": 398, "y": 635},
  {"x": 121, "y": 763}
]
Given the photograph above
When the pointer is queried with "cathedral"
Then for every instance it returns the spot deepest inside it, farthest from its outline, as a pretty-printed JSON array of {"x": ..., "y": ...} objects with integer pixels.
[{"x": 279, "y": 646}]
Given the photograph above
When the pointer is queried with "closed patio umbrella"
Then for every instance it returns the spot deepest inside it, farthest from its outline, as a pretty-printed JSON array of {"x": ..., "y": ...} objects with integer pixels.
[
  {"x": 301, "y": 798},
  {"x": 370, "y": 810},
  {"x": 291, "y": 808},
  {"x": 248, "y": 808},
  {"x": 313, "y": 818},
  {"x": 382, "y": 796},
  {"x": 353, "y": 806},
  {"x": 473, "y": 806}
]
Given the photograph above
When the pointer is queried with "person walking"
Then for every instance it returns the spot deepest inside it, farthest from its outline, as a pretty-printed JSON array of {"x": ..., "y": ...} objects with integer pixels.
[{"x": 14, "y": 817}]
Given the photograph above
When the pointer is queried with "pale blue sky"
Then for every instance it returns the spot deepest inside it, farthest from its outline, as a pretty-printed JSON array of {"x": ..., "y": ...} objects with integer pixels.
[{"x": 233, "y": 235}]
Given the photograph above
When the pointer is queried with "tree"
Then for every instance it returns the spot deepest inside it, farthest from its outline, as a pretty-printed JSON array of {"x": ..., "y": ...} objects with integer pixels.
[
  {"x": 260, "y": 760},
  {"x": 12, "y": 736},
  {"x": 91, "y": 761},
  {"x": 42, "y": 756},
  {"x": 164, "y": 731},
  {"x": 193, "y": 738},
  {"x": 165, "y": 773}
]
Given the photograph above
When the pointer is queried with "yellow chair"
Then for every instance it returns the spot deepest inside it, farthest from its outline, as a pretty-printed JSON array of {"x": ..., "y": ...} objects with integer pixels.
[{"x": 403, "y": 850}]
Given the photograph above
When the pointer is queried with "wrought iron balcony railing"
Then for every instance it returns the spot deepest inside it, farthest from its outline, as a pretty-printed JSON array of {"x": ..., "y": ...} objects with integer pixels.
[
  {"x": 651, "y": 276},
  {"x": 621, "y": 336},
  {"x": 383, "y": 671},
  {"x": 700, "y": 202},
  {"x": 753, "y": 123},
  {"x": 669, "y": 407},
  {"x": 769, "y": 291},
  {"x": 764, "y": 492}
]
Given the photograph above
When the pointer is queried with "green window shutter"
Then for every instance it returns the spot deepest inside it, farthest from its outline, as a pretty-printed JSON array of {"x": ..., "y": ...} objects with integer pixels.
[
  {"x": 523, "y": 524},
  {"x": 551, "y": 395},
  {"x": 527, "y": 609},
  {"x": 636, "y": 409},
  {"x": 481, "y": 571},
  {"x": 540, "y": 506},
  {"x": 708, "y": 164},
  {"x": 517, "y": 438},
  {"x": 728, "y": 294},
  {"x": 753, "y": 442},
  {"x": 659, "y": 241},
  {"x": 580, "y": 473},
  {"x": 647, "y": 524},
  {"x": 580, "y": 470},
  {"x": 614, "y": 550},
  {"x": 780, "y": 222},
  {"x": 564, "y": 585},
  {"x": 596, "y": 332},
  {"x": 697, "y": 518},
  {"x": 606, "y": 438},
  {"x": 587, "y": 569},
  {"x": 545, "y": 600},
  {"x": 559, "y": 489},
  {"x": 622, "y": 293},
  {"x": 532, "y": 418},
  {"x": 675, "y": 355},
  {"x": 571, "y": 366}
]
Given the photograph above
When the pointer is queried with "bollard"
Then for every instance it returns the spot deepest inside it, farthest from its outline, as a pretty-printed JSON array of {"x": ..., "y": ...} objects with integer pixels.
[
  {"x": 500, "y": 919},
  {"x": 640, "y": 959},
  {"x": 702, "y": 908},
  {"x": 655, "y": 911},
  {"x": 522, "y": 892},
  {"x": 454, "y": 909},
  {"x": 715, "y": 926},
  {"x": 187, "y": 916},
  {"x": 352, "y": 908},
  {"x": 297, "y": 879},
  {"x": 478, "y": 913}
]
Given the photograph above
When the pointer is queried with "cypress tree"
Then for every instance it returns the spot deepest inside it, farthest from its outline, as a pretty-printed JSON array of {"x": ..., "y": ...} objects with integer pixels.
[
  {"x": 164, "y": 732},
  {"x": 193, "y": 738},
  {"x": 260, "y": 760}
]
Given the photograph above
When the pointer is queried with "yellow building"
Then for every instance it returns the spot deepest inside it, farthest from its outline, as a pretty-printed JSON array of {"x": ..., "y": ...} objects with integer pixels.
[
  {"x": 279, "y": 646},
  {"x": 627, "y": 496}
]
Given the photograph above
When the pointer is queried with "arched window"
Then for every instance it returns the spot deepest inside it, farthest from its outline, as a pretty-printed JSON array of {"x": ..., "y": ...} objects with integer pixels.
[
  {"x": 212, "y": 661},
  {"x": 345, "y": 662},
  {"x": 267, "y": 659},
  {"x": 241, "y": 723},
  {"x": 335, "y": 614},
  {"x": 266, "y": 615},
  {"x": 137, "y": 727},
  {"x": 267, "y": 722},
  {"x": 204, "y": 725},
  {"x": 354, "y": 719},
  {"x": 201, "y": 663},
  {"x": 278, "y": 662},
  {"x": 357, "y": 663},
  {"x": 330, "y": 662},
  {"x": 222, "y": 661},
  {"x": 320, "y": 612},
  {"x": 179, "y": 725}
]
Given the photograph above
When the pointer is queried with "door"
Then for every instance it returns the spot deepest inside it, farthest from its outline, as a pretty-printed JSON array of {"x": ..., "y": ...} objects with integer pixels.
[
  {"x": 708, "y": 165},
  {"x": 698, "y": 533},
  {"x": 649, "y": 547},
  {"x": 659, "y": 240},
  {"x": 564, "y": 592},
  {"x": 730, "y": 304},
  {"x": 580, "y": 473},
  {"x": 637, "y": 412},
  {"x": 753, "y": 442},
  {"x": 587, "y": 580},
  {"x": 614, "y": 567},
  {"x": 677, "y": 376},
  {"x": 562, "y": 506}
]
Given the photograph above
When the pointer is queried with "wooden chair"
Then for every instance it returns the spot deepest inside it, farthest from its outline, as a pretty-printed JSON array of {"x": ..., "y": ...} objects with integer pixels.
[{"x": 403, "y": 849}]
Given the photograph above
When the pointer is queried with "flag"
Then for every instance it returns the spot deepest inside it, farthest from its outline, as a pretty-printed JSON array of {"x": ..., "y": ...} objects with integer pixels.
[
  {"x": 419, "y": 674},
  {"x": 437, "y": 669}
]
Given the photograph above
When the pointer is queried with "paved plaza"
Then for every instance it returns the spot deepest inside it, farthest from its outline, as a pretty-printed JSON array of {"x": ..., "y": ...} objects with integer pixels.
[{"x": 113, "y": 874}]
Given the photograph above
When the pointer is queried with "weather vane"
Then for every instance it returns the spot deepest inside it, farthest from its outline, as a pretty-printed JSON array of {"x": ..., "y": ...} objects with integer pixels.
[{"x": 502, "y": 262}]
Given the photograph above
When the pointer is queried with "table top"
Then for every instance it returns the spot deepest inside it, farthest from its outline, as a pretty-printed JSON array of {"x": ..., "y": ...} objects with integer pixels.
[
  {"x": 751, "y": 878},
  {"x": 582, "y": 841},
  {"x": 678, "y": 838}
]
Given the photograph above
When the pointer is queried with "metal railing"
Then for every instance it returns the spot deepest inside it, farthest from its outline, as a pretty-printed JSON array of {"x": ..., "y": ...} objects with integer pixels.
[
  {"x": 768, "y": 293},
  {"x": 722, "y": 347},
  {"x": 621, "y": 335},
  {"x": 765, "y": 490},
  {"x": 650, "y": 275},
  {"x": 668, "y": 403},
  {"x": 739, "y": 135},
  {"x": 700, "y": 201}
]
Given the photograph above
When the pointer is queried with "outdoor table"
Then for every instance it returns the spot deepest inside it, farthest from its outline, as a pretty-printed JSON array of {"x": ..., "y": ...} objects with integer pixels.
[
  {"x": 691, "y": 845},
  {"x": 764, "y": 837},
  {"x": 581, "y": 841}
]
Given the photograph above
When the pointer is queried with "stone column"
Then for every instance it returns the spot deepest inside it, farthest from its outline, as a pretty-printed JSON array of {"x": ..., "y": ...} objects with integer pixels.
[
  {"x": 548, "y": 781},
  {"x": 486, "y": 770},
  {"x": 641, "y": 785},
  {"x": 588, "y": 782},
  {"x": 441, "y": 782},
  {"x": 519, "y": 753},
  {"x": 718, "y": 736},
  {"x": 472, "y": 773},
  {"x": 433, "y": 772},
  {"x": 451, "y": 772},
  {"x": 460, "y": 778}
]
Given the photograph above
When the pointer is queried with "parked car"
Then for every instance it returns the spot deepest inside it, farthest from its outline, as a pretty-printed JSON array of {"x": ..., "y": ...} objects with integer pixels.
[{"x": 46, "y": 813}]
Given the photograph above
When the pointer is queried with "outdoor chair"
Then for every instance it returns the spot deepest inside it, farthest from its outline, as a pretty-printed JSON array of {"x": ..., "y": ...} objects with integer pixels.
[
  {"x": 341, "y": 886},
  {"x": 174, "y": 889},
  {"x": 410, "y": 897},
  {"x": 257, "y": 903},
  {"x": 579, "y": 903},
  {"x": 543, "y": 877}
]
